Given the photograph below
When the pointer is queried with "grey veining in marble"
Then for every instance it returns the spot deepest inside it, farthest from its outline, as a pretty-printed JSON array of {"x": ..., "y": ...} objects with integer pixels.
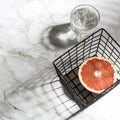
[{"x": 27, "y": 50}]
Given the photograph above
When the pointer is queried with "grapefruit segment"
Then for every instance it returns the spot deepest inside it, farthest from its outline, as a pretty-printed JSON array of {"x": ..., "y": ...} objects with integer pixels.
[{"x": 97, "y": 74}]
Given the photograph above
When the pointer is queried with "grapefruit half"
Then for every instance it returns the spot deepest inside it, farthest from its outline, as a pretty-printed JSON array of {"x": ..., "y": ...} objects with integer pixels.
[{"x": 97, "y": 74}]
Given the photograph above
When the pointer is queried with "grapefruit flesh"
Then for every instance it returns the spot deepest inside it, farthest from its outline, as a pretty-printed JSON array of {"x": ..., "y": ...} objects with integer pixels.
[{"x": 97, "y": 74}]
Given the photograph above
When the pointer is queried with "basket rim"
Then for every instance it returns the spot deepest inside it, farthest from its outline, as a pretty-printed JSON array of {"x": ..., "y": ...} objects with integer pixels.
[{"x": 101, "y": 29}]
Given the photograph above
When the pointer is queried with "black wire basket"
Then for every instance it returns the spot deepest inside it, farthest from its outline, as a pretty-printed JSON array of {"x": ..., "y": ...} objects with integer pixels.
[{"x": 101, "y": 44}]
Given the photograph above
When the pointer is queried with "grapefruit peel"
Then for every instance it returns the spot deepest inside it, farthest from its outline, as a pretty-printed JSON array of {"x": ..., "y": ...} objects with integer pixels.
[{"x": 97, "y": 74}]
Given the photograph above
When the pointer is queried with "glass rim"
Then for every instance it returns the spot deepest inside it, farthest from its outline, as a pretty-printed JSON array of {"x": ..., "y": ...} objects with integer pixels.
[
  {"x": 80, "y": 6},
  {"x": 84, "y": 5}
]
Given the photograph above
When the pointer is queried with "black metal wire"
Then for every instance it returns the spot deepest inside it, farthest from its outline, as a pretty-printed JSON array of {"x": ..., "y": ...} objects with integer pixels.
[{"x": 99, "y": 43}]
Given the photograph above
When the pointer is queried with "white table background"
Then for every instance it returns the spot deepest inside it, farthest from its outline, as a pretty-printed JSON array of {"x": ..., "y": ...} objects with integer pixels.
[{"x": 25, "y": 62}]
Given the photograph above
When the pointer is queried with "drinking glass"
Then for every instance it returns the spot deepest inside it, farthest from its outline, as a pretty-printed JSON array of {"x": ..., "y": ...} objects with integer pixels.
[{"x": 83, "y": 19}]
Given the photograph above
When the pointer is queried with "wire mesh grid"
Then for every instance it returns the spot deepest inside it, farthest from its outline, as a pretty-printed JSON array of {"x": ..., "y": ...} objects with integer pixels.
[
  {"x": 99, "y": 44},
  {"x": 59, "y": 99}
]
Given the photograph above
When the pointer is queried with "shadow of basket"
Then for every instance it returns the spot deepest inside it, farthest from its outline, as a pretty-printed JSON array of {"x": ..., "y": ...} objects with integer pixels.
[{"x": 59, "y": 98}]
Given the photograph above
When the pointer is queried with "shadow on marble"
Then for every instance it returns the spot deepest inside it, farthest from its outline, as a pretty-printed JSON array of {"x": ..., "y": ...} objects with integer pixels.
[
  {"x": 59, "y": 98},
  {"x": 58, "y": 37}
]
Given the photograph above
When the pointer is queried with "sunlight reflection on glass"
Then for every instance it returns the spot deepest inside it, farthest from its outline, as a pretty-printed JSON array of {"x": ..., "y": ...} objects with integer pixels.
[{"x": 83, "y": 19}]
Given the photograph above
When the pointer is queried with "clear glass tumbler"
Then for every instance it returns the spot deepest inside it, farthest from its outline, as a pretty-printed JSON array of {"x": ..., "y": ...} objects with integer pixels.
[{"x": 83, "y": 19}]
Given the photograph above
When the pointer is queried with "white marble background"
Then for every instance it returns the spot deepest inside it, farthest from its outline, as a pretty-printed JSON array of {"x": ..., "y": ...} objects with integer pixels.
[{"x": 25, "y": 62}]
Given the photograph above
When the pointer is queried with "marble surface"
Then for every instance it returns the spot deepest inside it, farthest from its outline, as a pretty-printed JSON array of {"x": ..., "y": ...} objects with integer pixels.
[{"x": 26, "y": 57}]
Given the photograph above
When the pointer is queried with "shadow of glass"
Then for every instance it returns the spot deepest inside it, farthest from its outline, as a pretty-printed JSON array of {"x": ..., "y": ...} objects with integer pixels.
[{"x": 59, "y": 37}]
